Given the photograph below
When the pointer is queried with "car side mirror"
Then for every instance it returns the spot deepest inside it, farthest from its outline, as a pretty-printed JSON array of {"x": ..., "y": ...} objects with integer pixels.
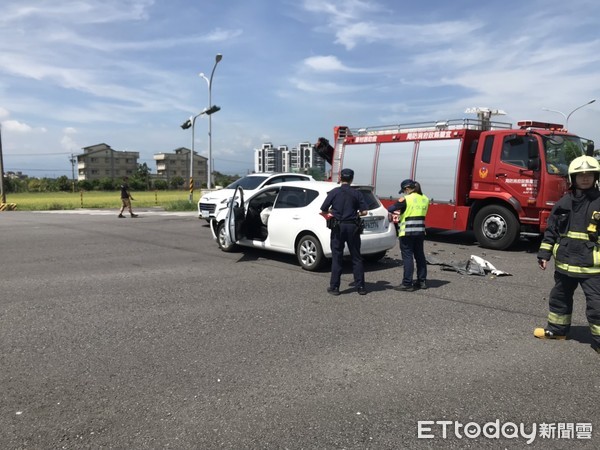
[
  {"x": 533, "y": 164},
  {"x": 533, "y": 150},
  {"x": 589, "y": 149},
  {"x": 533, "y": 155},
  {"x": 474, "y": 145}
]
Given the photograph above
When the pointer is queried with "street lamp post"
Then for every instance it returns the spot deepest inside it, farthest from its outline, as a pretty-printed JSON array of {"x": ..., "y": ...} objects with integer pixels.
[
  {"x": 2, "y": 194},
  {"x": 570, "y": 114},
  {"x": 218, "y": 58},
  {"x": 191, "y": 122}
]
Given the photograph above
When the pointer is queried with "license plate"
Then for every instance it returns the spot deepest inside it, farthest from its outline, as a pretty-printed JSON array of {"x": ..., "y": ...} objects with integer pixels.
[{"x": 371, "y": 224}]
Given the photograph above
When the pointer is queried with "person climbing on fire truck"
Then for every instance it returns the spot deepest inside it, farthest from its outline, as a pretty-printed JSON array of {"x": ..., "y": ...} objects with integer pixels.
[
  {"x": 572, "y": 237},
  {"x": 411, "y": 232}
]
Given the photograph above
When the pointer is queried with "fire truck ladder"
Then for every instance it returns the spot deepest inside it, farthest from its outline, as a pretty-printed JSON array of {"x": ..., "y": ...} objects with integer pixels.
[
  {"x": 440, "y": 125},
  {"x": 338, "y": 153}
]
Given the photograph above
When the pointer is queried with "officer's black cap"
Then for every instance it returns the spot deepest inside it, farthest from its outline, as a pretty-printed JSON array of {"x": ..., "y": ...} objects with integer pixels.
[
  {"x": 408, "y": 183},
  {"x": 347, "y": 174}
]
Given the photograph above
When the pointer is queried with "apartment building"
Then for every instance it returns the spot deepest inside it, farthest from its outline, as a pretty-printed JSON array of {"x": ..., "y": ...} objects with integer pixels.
[
  {"x": 177, "y": 164},
  {"x": 101, "y": 161},
  {"x": 269, "y": 158},
  {"x": 309, "y": 158}
]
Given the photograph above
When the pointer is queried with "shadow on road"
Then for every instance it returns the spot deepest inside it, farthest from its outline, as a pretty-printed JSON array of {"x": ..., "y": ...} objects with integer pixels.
[
  {"x": 467, "y": 239},
  {"x": 255, "y": 254},
  {"x": 581, "y": 334},
  {"x": 386, "y": 285}
]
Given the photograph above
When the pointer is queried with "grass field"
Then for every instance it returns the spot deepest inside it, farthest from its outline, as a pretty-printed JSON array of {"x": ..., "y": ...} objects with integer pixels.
[{"x": 43, "y": 201}]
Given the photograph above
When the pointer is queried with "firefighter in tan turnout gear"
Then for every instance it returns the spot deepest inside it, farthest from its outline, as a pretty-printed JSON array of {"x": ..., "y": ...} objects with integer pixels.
[{"x": 572, "y": 238}]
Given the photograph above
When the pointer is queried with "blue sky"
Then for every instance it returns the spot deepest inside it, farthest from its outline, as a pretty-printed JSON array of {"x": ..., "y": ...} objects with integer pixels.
[{"x": 125, "y": 72}]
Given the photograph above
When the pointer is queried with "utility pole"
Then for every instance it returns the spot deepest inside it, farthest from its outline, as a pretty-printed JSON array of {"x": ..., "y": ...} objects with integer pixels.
[
  {"x": 2, "y": 194},
  {"x": 72, "y": 159},
  {"x": 191, "y": 122}
]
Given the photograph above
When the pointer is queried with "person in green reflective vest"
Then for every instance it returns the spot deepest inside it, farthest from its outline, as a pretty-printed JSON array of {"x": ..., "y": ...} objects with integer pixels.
[{"x": 412, "y": 208}]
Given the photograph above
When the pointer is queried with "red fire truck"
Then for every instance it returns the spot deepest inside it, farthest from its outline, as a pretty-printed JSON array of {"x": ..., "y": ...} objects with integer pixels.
[{"x": 481, "y": 175}]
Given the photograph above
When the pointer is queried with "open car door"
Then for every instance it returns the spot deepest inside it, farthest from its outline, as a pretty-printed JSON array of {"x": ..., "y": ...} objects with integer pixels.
[{"x": 235, "y": 216}]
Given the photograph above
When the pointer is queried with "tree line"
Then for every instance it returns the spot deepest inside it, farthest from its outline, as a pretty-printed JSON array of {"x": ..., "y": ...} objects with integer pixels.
[{"x": 141, "y": 180}]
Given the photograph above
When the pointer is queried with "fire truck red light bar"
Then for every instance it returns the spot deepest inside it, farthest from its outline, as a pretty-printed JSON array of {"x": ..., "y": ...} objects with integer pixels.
[{"x": 544, "y": 125}]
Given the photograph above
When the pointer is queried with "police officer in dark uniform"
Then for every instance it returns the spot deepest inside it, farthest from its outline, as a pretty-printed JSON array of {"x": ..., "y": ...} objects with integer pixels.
[{"x": 346, "y": 205}]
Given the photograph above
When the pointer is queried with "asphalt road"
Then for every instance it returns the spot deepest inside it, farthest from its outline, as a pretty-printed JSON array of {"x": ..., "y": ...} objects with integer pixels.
[{"x": 140, "y": 333}]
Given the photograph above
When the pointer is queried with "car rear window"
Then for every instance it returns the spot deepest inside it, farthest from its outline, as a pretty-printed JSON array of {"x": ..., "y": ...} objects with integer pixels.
[
  {"x": 285, "y": 178},
  {"x": 372, "y": 201},
  {"x": 247, "y": 182},
  {"x": 295, "y": 197}
]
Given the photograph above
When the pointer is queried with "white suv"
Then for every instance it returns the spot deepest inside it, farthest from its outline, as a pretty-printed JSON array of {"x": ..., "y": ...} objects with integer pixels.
[
  {"x": 211, "y": 203},
  {"x": 286, "y": 218}
]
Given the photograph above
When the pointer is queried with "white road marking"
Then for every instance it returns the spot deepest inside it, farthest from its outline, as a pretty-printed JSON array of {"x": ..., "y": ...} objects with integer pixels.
[{"x": 112, "y": 212}]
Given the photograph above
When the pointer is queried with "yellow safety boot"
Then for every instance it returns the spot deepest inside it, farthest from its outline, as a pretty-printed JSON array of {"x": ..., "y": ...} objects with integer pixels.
[{"x": 542, "y": 333}]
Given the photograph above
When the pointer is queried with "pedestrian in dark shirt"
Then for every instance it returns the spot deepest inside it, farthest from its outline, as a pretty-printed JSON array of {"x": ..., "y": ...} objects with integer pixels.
[
  {"x": 126, "y": 199},
  {"x": 345, "y": 205}
]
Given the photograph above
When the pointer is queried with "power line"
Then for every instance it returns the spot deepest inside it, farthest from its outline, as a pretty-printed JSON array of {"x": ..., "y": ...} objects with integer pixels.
[
  {"x": 36, "y": 154},
  {"x": 10, "y": 169},
  {"x": 228, "y": 160},
  {"x": 70, "y": 153}
]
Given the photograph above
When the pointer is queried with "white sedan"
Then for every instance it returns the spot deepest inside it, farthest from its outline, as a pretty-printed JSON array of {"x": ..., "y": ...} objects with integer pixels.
[
  {"x": 285, "y": 218},
  {"x": 212, "y": 202}
]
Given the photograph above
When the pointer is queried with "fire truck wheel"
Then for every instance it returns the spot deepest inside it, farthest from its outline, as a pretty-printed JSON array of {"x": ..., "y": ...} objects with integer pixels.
[
  {"x": 496, "y": 227},
  {"x": 309, "y": 253}
]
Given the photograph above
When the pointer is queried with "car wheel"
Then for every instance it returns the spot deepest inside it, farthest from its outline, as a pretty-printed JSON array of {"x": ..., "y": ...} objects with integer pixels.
[
  {"x": 309, "y": 253},
  {"x": 496, "y": 227},
  {"x": 374, "y": 257},
  {"x": 224, "y": 243}
]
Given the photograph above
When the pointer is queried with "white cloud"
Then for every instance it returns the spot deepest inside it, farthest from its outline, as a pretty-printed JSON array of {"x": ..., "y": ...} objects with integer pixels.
[
  {"x": 82, "y": 12},
  {"x": 68, "y": 143},
  {"x": 330, "y": 87},
  {"x": 16, "y": 126},
  {"x": 425, "y": 35},
  {"x": 71, "y": 38},
  {"x": 360, "y": 22},
  {"x": 325, "y": 64},
  {"x": 342, "y": 11},
  {"x": 219, "y": 35}
]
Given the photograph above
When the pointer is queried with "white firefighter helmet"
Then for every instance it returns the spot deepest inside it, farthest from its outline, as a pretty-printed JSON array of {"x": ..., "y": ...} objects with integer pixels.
[{"x": 583, "y": 164}]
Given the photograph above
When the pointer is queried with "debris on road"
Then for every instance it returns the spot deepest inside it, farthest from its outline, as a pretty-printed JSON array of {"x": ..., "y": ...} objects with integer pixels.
[{"x": 475, "y": 265}]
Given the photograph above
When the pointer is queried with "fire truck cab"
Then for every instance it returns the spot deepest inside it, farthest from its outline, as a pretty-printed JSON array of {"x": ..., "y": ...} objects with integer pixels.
[{"x": 481, "y": 175}]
